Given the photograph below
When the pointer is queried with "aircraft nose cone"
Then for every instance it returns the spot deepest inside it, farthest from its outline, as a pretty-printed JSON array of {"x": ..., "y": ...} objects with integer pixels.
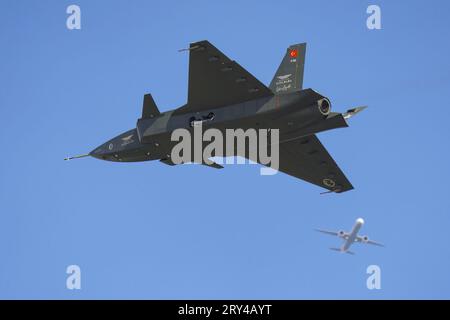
[
  {"x": 118, "y": 148},
  {"x": 101, "y": 152},
  {"x": 360, "y": 220},
  {"x": 96, "y": 153}
]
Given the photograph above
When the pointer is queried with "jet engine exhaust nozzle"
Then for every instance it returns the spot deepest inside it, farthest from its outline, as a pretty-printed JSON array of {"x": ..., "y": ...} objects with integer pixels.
[{"x": 324, "y": 106}]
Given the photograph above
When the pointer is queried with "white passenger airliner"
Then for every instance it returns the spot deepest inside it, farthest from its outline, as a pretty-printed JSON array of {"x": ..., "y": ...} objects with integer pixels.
[{"x": 350, "y": 237}]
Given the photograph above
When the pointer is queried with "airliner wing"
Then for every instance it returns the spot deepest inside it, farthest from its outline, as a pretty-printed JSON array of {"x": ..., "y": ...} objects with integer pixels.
[
  {"x": 375, "y": 243},
  {"x": 332, "y": 233},
  {"x": 361, "y": 240}
]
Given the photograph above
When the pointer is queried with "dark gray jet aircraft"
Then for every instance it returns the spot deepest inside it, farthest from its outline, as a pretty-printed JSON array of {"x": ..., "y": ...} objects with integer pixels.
[{"x": 222, "y": 94}]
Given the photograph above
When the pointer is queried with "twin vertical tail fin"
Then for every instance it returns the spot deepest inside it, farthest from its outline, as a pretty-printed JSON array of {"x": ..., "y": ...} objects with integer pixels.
[{"x": 289, "y": 76}]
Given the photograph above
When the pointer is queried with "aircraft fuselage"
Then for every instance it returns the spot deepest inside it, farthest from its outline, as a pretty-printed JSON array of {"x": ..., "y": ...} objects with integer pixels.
[
  {"x": 352, "y": 236},
  {"x": 295, "y": 114}
]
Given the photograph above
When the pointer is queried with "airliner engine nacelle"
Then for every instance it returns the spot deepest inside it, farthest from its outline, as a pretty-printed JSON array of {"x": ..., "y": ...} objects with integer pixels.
[{"x": 365, "y": 239}]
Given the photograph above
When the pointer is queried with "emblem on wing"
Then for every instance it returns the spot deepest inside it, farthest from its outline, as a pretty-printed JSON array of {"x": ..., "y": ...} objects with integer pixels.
[{"x": 284, "y": 77}]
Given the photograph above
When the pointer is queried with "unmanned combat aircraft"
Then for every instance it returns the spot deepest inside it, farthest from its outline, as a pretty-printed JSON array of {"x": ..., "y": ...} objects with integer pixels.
[
  {"x": 351, "y": 237},
  {"x": 222, "y": 95}
]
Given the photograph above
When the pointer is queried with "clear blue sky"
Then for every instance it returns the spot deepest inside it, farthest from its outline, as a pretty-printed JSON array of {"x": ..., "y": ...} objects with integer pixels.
[{"x": 146, "y": 230}]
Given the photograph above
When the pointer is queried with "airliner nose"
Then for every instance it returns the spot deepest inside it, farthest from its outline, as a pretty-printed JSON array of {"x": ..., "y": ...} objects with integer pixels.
[{"x": 360, "y": 220}]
